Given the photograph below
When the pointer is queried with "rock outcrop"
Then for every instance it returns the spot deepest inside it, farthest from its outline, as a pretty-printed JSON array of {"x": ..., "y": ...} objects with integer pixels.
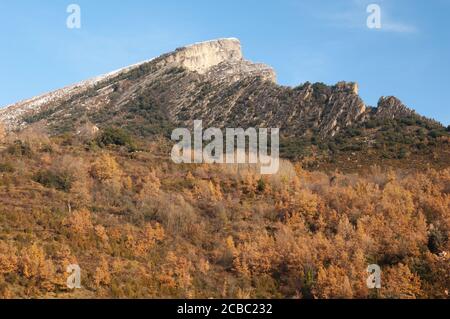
[
  {"x": 201, "y": 57},
  {"x": 390, "y": 107},
  {"x": 221, "y": 58}
]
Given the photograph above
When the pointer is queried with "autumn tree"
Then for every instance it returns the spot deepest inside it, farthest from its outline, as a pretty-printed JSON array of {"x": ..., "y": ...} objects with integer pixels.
[
  {"x": 105, "y": 168},
  {"x": 398, "y": 282},
  {"x": 35, "y": 266}
]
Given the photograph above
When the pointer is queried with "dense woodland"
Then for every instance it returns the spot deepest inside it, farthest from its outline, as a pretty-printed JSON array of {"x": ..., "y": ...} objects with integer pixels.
[{"x": 140, "y": 226}]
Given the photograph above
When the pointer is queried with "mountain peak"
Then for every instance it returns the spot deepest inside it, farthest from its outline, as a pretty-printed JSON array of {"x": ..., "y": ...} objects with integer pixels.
[
  {"x": 209, "y": 80},
  {"x": 217, "y": 58},
  {"x": 201, "y": 57},
  {"x": 392, "y": 107}
]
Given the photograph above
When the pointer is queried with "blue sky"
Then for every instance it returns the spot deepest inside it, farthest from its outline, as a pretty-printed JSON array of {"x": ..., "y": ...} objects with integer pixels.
[{"x": 304, "y": 40}]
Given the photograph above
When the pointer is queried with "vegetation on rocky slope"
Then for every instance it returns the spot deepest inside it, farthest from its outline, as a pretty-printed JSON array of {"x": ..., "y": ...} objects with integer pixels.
[
  {"x": 410, "y": 143},
  {"x": 86, "y": 179},
  {"x": 140, "y": 226}
]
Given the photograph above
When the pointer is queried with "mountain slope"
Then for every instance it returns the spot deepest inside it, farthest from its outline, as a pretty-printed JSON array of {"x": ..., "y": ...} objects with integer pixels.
[
  {"x": 100, "y": 191},
  {"x": 211, "y": 81}
]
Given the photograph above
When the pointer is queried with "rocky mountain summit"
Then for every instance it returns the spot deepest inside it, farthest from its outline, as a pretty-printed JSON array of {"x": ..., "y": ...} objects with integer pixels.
[
  {"x": 209, "y": 81},
  {"x": 391, "y": 107}
]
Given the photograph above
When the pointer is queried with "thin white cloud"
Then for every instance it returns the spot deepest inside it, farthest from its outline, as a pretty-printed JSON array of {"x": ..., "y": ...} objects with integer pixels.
[
  {"x": 398, "y": 27},
  {"x": 355, "y": 17}
]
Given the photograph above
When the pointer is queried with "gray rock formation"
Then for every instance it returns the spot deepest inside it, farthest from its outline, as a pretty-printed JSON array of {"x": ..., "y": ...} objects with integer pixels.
[
  {"x": 391, "y": 107},
  {"x": 209, "y": 81}
]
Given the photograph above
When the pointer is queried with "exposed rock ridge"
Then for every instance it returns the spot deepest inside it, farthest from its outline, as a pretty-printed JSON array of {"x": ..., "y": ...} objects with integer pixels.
[
  {"x": 220, "y": 59},
  {"x": 390, "y": 107},
  {"x": 210, "y": 81},
  {"x": 202, "y": 56},
  {"x": 12, "y": 115}
]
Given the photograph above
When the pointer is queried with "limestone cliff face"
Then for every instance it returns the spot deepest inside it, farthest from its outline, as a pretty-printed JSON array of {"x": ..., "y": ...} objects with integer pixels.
[
  {"x": 201, "y": 57},
  {"x": 209, "y": 81},
  {"x": 221, "y": 58}
]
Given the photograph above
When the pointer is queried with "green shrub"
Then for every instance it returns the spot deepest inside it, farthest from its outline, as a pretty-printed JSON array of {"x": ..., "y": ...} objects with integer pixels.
[
  {"x": 435, "y": 134},
  {"x": 19, "y": 148},
  {"x": 58, "y": 180},
  {"x": 47, "y": 148},
  {"x": 353, "y": 132},
  {"x": 371, "y": 124},
  {"x": 409, "y": 121},
  {"x": 261, "y": 185},
  {"x": 436, "y": 241},
  {"x": 6, "y": 168},
  {"x": 320, "y": 90},
  {"x": 115, "y": 136},
  {"x": 352, "y": 148},
  {"x": 403, "y": 153}
]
